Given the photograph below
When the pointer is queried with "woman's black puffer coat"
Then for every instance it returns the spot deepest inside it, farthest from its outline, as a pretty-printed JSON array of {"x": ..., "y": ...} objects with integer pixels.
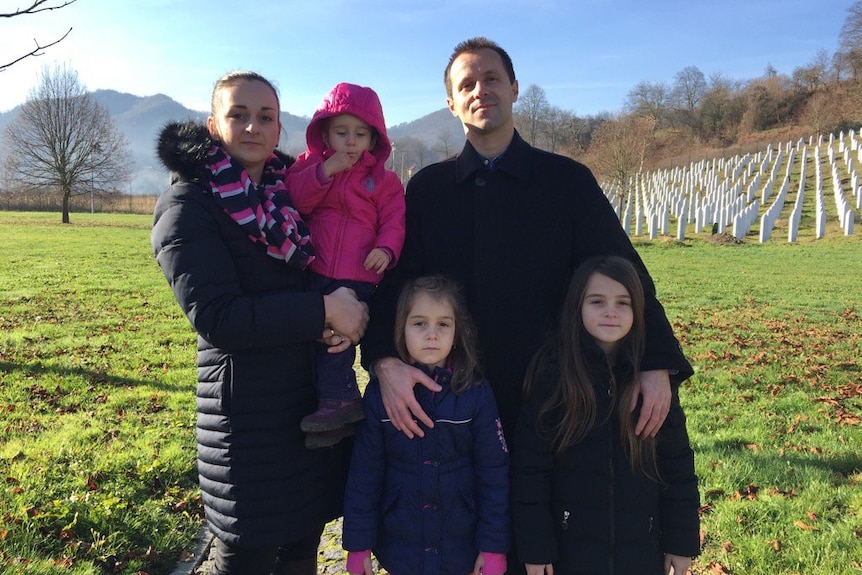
[{"x": 255, "y": 320}]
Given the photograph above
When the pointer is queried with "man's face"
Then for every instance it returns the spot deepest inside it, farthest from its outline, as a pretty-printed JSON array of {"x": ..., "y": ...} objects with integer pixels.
[{"x": 482, "y": 95}]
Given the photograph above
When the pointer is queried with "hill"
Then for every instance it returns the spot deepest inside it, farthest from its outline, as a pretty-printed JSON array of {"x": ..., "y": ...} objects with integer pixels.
[
  {"x": 438, "y": 129},
  {"x": 140, "y": 118}
]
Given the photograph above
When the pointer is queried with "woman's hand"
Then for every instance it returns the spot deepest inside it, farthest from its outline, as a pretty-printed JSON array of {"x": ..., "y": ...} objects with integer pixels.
[
  {"x": 336, "y": 342},
  {"x": 396, "y": 387},
  {"x": 346, "y": 317}
]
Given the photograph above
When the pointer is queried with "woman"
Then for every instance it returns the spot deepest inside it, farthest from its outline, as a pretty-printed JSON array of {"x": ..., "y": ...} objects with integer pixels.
[{"x": 233, "y": 251}]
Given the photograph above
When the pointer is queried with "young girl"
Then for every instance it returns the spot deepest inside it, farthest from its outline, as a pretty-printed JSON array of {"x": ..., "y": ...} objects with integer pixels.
[
  {"x": 437, "y": 504},
  {"x": 588, "y": 495},
  {"x": 355, "y": 211},
  {"x": 233, "y": 251}
]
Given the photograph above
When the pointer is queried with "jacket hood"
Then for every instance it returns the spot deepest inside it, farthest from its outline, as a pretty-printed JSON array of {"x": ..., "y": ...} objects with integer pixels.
[
  {"x": 182, "y": 147},
  {"x": 358, "y": 101}
]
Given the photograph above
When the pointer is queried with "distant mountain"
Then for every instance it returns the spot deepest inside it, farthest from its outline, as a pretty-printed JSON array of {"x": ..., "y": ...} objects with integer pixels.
[
  {"x": 435, "y": 129},
  {"x": 140, "y": 118}
]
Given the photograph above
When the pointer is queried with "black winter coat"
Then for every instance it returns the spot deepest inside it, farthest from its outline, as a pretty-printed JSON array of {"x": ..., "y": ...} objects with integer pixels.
[
  {"x": 584, "y": 510},
  {"x": 255, "y": 319}
]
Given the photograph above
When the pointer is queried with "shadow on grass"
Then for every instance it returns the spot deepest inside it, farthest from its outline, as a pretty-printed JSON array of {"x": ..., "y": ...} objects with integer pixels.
[
  {"x": 844, "y": 464},
  {"x": 91, "y": 376}
]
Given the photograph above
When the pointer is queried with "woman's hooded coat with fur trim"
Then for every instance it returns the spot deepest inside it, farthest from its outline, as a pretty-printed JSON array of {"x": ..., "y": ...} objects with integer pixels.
[{"x": 255, "y": 320}]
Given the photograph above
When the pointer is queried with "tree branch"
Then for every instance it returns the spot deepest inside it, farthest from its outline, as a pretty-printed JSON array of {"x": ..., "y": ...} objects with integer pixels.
[
  {"x": 35, "y": 8},
  {"x": 37, "y": 51}
]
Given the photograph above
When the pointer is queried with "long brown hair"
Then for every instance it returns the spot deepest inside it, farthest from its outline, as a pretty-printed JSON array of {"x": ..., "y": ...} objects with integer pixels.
[
  {"x": 464, "y": 358},
  {"x": 573, "y": 396}
]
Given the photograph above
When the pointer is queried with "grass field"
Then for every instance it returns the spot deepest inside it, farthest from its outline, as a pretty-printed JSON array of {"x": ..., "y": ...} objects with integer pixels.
[{"x": 97, "y": 399}]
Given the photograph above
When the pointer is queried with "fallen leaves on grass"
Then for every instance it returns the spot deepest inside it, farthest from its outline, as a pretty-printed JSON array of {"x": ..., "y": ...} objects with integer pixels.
[
  {"x": 804, "y": 526},
  {"x": 716, "y": 568},
  {"x": 749, "y": 493},
  {"x": 770, "y": 355},
  {"x": 782, "y": 493}
]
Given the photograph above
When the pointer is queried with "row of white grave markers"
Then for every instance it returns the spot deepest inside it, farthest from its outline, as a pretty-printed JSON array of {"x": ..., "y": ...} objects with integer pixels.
[
  {"x": 727, "y": 193},
  {"x": 846, "y": 213}
]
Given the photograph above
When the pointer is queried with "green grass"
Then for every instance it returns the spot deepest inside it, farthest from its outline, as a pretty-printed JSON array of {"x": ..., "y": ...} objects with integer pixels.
[
  {"x": 97, "y": 399},
  {"x": 96, "y": 402},
  {"x": 774, "y": 407}
]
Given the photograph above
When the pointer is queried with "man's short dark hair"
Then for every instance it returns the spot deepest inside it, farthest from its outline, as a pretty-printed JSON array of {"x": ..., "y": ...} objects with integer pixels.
[{"x": 474, "y": 45}]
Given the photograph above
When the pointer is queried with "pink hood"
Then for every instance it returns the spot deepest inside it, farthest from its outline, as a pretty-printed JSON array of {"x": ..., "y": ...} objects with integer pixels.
[{"x": 361, "y": 102}]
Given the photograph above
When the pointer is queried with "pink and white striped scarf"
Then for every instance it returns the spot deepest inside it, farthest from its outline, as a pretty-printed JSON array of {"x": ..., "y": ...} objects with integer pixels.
[{"x": 263, "y": 210}]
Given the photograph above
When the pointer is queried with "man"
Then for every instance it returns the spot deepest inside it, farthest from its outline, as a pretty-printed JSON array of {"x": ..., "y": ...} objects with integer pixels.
[{"x": 510, "y": 223}]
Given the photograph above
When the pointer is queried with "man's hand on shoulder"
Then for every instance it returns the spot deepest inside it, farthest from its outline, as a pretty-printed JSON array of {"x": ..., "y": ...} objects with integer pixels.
[{"x": 396, "y": 387}]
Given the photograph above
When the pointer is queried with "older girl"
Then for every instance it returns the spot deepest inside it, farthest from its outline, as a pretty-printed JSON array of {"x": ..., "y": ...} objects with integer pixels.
[{"x": 589, "y": 496}]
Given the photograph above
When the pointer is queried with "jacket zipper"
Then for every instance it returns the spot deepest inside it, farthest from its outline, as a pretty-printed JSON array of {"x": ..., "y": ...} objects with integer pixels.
[
  {"x": 611, "y": 486},
  {"x": 345, "y": 210}
]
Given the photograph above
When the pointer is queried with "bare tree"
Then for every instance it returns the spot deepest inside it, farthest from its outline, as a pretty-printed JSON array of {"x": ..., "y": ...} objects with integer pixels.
[
  {"x": 557, "y": 128},
  {"x": 531, "y": 113},
  {"x": 63, "y": 139},
  {"x": 823, "y": 111},
  {"x": 35, "y": 7},
  {"x": 444, "y": 142},
  {"x": 689, "y": 87},
  {"x": 688, "y": 90},
  {"x": 582, "y": 130},
  {"x": 620, "y": 147},
  {"x": 841, "y": 69},
  {"x": 412, "y": 157},
  {"x": 650, "y": 100},
  {"x": 812, "y": 77},
  {"x": 721, "y": 108},
  {"x": 850, "y": 39}
]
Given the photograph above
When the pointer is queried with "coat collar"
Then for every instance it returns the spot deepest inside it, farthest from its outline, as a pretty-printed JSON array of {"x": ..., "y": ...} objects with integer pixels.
[
  {"x": 441, "y": 375},
  {"x": 515, "y": 161}
]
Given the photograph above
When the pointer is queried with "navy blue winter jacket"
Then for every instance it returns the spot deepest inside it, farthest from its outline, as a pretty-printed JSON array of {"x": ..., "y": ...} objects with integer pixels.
[{"x": 427, "y": 506}]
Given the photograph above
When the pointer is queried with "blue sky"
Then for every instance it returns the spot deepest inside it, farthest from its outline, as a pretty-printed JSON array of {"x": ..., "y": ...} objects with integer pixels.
[{"x": 586, "y": 54}]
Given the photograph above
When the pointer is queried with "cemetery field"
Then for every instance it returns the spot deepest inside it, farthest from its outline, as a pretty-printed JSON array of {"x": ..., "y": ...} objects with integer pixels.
[{"x": 97, "y": 377}]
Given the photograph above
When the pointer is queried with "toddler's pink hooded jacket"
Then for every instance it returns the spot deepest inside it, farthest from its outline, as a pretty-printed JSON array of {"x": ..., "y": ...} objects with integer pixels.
[{"x": 352, "y": 212}]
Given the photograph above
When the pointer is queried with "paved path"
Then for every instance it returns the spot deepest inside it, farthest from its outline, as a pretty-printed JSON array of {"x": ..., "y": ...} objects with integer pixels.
[{"x": 330, "y": 556}]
